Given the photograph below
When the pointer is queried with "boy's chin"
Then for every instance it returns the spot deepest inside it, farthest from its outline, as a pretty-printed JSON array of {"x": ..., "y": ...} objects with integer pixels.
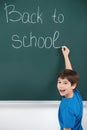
[{"x": 62, "y": 94}]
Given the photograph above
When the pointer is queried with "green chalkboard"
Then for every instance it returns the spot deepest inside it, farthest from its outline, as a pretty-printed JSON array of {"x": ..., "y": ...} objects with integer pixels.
[{"x": 31, "y": 34}]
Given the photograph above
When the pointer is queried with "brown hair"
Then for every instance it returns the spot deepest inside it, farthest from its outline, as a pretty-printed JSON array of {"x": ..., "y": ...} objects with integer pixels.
[{"x": 70, "y": 75}]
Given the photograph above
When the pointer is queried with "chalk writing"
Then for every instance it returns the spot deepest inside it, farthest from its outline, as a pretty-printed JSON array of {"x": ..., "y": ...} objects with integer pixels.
[
  {"x": 13, "y": 16},
  {"x": 35, "y": 17},
  {"x": 57, "y": 18},
  {"x": 32, "y": 40}
]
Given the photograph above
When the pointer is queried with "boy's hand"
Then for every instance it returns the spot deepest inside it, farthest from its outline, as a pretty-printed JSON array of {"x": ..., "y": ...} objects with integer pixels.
[{"x": 65, "y": 51}]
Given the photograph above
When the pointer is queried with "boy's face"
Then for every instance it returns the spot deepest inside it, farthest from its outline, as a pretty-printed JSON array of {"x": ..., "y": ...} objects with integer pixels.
[{"x": 65, "y": 88}]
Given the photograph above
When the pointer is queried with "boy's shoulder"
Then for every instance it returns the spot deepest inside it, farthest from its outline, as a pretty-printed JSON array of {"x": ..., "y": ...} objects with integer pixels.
[{"x": 77, "y": 95}]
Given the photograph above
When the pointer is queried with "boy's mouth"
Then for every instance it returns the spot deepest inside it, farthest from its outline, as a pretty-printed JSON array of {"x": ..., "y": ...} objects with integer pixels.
[{"x": 62, "y": 91}]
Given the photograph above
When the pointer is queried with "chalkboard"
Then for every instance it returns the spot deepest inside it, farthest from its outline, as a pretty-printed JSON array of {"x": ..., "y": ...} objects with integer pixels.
[{"x": 31, "y": 35}]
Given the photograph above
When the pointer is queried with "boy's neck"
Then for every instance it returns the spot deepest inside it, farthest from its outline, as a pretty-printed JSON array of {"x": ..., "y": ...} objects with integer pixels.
[{"x": 69, "y": 95}]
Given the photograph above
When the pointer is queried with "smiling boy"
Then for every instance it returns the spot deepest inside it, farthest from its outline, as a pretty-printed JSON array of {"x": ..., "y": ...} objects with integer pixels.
[{"x": 71, "y": 107}]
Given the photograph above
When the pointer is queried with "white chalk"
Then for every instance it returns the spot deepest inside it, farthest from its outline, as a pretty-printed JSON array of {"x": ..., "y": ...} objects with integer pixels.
[{"x": 59, "y": 47}]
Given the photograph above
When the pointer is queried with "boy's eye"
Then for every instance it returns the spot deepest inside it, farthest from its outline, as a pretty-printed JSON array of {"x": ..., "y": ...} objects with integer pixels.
[
  {"x": 65, "y": 83},
  {"x": 59, "y": 82}
]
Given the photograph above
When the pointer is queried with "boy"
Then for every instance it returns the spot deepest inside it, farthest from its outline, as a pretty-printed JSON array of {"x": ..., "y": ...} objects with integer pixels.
[{"x": 71, "y": 107}]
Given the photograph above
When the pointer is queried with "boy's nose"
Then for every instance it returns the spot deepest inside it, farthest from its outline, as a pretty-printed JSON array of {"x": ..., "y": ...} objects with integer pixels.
[{"x": 61, "y": 86}]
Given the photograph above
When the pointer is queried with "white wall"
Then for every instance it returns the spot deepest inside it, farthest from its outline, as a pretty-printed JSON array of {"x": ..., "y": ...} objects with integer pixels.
[{"x": 32, "y": 115}]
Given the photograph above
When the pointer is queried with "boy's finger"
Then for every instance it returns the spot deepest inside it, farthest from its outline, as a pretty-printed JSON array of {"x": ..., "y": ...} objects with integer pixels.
[{"x": 64, "y": 48}]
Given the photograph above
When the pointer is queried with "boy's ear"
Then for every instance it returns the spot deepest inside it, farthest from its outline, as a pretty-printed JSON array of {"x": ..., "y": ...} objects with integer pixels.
[{"x": 74, "y": 86}]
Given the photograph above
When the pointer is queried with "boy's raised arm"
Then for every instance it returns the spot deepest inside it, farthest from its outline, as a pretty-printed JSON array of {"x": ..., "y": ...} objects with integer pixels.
[{"x": 66, "y": 51}]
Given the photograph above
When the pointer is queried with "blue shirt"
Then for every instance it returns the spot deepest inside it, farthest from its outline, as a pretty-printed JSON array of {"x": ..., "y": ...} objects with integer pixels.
[{"x": 71, "y": 111}]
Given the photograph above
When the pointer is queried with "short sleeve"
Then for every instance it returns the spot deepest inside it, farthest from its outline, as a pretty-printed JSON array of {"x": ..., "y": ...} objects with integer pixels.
[{"x": 68, "y": 118}]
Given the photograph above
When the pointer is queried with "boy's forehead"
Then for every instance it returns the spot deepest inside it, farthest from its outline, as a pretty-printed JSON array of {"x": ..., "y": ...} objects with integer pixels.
[{"x": 63, "y": 79}]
